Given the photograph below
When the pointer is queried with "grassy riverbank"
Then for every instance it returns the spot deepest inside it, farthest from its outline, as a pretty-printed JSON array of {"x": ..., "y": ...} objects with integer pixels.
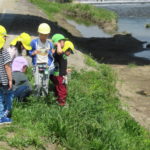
[
  {"x": 104, "y": 18},
  {"x": 93, "y": 120}
]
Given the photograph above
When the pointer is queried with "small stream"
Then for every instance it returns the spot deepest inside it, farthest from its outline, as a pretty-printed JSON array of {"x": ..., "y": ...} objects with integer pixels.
[{"x": 132, "y": 19}]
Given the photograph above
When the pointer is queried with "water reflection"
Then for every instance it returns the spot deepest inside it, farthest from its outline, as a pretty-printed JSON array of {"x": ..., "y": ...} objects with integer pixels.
[
  {"x": 132, "y": 19},
  {"x": 144, "y": 54},
  {"x": 89, "y": 31},
  {"x": 135, "y": 26}
]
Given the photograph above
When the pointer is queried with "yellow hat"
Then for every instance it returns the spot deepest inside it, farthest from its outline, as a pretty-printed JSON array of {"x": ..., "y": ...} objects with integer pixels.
[
  {"x": 3, "y": 31},
  {"x": 2, "y": 42},
  {"x": 25, "y": 39},
  {"x": 44, "y": 28},
  {"x": 68, "y": 46}
]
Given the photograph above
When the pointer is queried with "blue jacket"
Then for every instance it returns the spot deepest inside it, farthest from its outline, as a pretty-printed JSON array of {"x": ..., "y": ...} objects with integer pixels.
[{"x": 34, "y": 47}]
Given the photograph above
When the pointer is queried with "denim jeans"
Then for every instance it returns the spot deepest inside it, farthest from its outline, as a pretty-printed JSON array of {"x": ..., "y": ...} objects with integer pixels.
[
  {"x": 6, "y": 99},
  {"x": 22, "y": 92}
]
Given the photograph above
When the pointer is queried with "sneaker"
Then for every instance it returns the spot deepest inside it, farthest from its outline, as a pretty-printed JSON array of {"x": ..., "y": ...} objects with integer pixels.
[
  {"x": 6, "y": 113},
  {"x": 1, "y": 122},
  {"x": 6, "y": 120},
  {"x": 61, "y": 104}
]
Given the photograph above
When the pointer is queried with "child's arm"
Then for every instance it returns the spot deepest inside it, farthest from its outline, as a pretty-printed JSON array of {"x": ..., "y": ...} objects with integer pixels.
[
  {"x": 33, "y": 52},
  {"x": 58, "y": 49},
  {"x": 52, "y": 50},
  {"x": 7, "y": 61},
  {"x": 9, "y": 75}
]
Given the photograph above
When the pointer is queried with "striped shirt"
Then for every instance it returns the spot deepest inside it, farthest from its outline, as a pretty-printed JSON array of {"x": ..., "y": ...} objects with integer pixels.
[{"x": 4, "y": 59}]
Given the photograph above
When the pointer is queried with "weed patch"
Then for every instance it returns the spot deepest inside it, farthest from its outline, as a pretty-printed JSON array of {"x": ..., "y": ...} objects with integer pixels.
[{"x": 93, "y": 120}]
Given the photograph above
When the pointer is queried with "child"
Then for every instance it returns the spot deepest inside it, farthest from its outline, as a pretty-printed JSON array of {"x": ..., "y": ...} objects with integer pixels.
[
  {"x": 21, "y": 85},
  {"x": 19, "y": 45},
  {"x": 6, "y": 94},
  {"x": 42, "y": 59},
  {"x": 63, "y": 49}
]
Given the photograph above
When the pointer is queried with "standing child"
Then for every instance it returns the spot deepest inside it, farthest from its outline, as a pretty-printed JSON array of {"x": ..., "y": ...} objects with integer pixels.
[
  {"x": 19, "y": 45},
  {"x": 6, "y": 94},
  {"x": 42, "y": 59},
  {"x": 63, "y": 50}
]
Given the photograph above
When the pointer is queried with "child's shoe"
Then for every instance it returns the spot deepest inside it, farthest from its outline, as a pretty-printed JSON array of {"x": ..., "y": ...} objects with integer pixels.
[
  {"x": 6, "y": 113},
  {"x": 6, "y": 120},
  {"x": 61, "y": 104},
  {"x": 1, "y": 122}
]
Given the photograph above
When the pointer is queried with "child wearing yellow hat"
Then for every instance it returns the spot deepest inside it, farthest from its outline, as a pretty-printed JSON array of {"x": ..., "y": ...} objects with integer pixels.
[
  {"x": 42, "y": 59},
  {"x": 19, "y": 44},
  {"x": 6, "y": 94},
  {"x": 63, "y": 49}
]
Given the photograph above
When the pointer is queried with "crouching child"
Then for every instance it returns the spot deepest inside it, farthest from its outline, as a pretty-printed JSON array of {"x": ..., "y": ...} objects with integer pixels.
[{"x": 21, "y": 86}]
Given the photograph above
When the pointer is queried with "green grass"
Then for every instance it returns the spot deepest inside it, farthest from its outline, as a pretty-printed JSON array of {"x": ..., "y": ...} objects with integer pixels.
[
  {"x": 91, "y": 13},
  {"x": 147, "y": 26},
  {"x": 93, "y": 120},
  {"x": 50, "y": 8},
  {"x": 82, "y": 11},
  {"x": 89, "y": 60},
  {"x": 132, "y": 65}
]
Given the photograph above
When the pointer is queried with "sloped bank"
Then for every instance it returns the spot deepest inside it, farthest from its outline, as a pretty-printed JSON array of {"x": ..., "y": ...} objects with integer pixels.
[
  {"x": 106, "y": 19},
  {"x": 94, "y": 119}
]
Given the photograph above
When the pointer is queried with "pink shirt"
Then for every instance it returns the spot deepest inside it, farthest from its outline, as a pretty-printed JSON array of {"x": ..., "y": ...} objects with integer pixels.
[{"x": 18, "y": 63}]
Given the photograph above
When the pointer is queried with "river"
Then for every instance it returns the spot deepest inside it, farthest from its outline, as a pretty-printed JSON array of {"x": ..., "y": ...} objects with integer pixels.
[{"x": 132, "y": 19}]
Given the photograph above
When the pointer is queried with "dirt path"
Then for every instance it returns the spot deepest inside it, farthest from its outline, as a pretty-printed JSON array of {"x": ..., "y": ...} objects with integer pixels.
[
  {"x": 10, "y": 11},
  {"x": 21, "y": 16},
  {"x": 134, "y": 90}
]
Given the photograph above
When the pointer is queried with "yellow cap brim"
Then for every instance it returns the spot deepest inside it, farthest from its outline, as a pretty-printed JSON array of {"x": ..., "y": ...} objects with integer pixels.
[
  {"x": 66, "y": 48},
  {"x": 27, "y": 47},
  {"x": 3, "y": 34},
  {"x": 2, "y": 42},
  {"x": 14, "y": 42}
]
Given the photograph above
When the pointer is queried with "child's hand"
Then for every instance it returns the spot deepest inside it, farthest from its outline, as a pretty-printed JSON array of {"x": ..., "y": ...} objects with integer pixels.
[
  {"x": 57, "y": 44},
  {"x": 53, "y": 51},
  {"x": 10, "y": 85},
  {"x": 69, "y": 70},
  {"x": 65, "y": 80},
  {"x": 59, "y": 49},
  {"x": 35, "y": 52}
]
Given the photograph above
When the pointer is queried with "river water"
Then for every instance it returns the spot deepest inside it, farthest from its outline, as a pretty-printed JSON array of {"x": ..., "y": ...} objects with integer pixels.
[{"x": 132, "y": 19}]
